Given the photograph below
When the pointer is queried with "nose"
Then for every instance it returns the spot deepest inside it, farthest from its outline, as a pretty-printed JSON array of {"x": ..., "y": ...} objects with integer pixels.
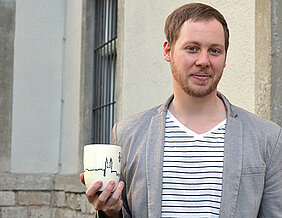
[{"x": 203, "y": 59}]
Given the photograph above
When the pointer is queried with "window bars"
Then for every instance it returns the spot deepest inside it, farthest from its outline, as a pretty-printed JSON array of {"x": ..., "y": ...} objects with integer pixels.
[{"x": 104, "y": 88}]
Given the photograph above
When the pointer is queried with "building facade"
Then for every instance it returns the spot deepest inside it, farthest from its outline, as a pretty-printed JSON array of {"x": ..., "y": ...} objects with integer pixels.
[{"x": 50, "y": 79}]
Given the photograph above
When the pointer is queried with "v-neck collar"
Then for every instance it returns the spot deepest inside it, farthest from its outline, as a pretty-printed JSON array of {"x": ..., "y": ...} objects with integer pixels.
[{"x": 191, "y": 132}]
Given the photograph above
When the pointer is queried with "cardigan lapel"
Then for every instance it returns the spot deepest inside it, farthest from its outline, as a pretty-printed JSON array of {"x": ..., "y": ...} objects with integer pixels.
[
  {"x": 154, "y": 161},
  {"x": 232, "y": 162}
]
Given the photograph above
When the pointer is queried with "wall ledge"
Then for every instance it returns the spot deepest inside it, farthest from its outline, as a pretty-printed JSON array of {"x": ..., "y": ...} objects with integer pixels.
[{"x": 41, "y": 182}]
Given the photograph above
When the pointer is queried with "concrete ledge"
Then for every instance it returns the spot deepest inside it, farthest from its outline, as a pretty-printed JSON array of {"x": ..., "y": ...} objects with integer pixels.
[
  {"x": 41, "y": 182},
  {"x": 16, "y": 182},
  {"x": 68, "y": 183}
]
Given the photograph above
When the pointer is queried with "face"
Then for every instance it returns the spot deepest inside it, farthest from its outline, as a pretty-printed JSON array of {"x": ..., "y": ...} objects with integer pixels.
[{"x": 197, "y": 57}]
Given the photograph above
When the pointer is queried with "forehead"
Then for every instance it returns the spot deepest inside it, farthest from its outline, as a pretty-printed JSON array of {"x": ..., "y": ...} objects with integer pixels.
[{"x": 208, "y": 31}]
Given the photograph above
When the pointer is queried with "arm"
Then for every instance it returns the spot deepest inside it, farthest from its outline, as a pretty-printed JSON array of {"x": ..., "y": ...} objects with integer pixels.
[
  {"x": 271, "y": 205},
  {"x": 107, "y": 203},
  {"x": 115, "y": 141}
]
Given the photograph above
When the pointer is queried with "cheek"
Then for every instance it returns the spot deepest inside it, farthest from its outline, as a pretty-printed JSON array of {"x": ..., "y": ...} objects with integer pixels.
[
  {"x": 219, "y": 65},
  {"x": 223, "y": 64},
  {"x": 186, "y": 62}
]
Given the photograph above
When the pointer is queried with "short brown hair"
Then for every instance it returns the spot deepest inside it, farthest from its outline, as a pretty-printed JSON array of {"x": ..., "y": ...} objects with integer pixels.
[{"x": 194, "y": 12}]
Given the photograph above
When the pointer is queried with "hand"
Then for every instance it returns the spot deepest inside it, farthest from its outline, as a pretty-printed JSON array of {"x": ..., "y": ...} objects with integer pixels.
[{"x": 107, "y": 201}]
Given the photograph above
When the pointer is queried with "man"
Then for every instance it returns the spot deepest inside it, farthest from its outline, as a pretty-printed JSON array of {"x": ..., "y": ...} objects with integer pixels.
[{"x": 197, "y": 155}]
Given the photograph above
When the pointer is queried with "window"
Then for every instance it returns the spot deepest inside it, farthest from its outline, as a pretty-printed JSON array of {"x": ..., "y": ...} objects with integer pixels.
[{"x": 104, "y": 88}]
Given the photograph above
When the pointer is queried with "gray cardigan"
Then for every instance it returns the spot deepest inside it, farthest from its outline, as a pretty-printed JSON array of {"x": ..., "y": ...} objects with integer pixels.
[{"x": 252, "y": 172}]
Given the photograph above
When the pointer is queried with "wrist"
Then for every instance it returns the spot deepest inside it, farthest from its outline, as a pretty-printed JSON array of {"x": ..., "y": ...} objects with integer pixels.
[{"x": 102, "y": 214}]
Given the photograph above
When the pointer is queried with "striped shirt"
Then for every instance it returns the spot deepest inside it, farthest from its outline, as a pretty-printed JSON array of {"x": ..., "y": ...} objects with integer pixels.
[{"x": 192, "y": 170}]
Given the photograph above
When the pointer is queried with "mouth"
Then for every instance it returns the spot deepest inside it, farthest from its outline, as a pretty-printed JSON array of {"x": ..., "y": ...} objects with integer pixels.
[{"x": 201, "y": 77}]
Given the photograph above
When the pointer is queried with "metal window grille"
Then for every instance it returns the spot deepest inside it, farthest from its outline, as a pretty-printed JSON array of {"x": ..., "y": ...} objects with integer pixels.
[{"x": 104, "y": 100}]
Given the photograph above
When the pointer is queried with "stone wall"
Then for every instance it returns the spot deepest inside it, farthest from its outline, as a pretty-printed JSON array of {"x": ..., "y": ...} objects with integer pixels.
[
  {"x": 263, "y": 58},
  {"x": 33, "y": 195},
  {"x": 7, "y": 26},
  {"x": 276, "y": 63}
]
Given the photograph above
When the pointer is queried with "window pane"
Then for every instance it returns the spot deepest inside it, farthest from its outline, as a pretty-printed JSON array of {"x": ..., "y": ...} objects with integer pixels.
[{"x": 104, "y": 94}]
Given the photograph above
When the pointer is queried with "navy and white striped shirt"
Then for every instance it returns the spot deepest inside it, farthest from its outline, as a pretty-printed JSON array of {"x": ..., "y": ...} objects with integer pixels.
[{"x": 192, "y": 170}]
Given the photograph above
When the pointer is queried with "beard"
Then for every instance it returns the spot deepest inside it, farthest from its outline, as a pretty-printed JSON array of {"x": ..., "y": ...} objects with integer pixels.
[{"x": 201, "y": 90}]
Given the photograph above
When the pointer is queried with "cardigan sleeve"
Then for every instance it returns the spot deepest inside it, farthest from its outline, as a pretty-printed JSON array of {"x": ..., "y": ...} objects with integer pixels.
[{"x": 271, "y": 205}]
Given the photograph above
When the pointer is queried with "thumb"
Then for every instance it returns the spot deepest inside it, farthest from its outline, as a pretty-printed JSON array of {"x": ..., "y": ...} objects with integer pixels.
[{"x": 82, "y": 178}]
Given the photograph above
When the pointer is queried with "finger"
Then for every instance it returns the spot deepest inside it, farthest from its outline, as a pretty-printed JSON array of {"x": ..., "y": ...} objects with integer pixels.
[
  {"x": 117, "y": 193},
  {"x": 92, "y": 191},
  {"x": 103, "y": 197},
  {"x": 82, "y": 178},
  {"x": 113, "y": 209},
  {"x": 114, "y": 203}
]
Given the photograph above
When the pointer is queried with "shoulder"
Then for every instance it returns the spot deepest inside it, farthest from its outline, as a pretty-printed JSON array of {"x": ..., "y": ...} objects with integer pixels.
[
  {"x": 140, "y": 119},
  {"x": 144, "y": 118},
  {"x": 135, "y": 125},
  {"x": 251, "y": 123},
  {"x": 254, "y": 124},
  {"x": 249, "y": 118}
]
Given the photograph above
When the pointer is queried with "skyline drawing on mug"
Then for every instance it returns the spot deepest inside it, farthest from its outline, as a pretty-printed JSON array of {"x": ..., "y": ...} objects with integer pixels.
[
  {"x": 101, "y": 162},
  {"x": 107, "y": 165}
]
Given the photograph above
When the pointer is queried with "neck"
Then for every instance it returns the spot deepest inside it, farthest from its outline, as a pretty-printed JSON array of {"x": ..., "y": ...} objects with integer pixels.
[
  {"x": 186, "y": 104},
  {"x": 193, "y": 111}
]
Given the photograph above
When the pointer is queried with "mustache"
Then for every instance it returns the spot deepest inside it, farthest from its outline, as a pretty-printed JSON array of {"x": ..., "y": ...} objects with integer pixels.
[{"x": 201, "y": 72}]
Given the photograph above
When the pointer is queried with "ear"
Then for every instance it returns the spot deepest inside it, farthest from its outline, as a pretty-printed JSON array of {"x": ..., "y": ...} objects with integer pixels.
[{"x": 167, "y": 51}]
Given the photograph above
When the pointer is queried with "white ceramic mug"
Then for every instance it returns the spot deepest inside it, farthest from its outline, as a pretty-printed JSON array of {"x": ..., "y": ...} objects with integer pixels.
[{"x": 101, "y": 162}]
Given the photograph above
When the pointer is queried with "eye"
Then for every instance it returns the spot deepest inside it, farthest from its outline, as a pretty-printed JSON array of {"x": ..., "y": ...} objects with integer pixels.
[
  {"x": 215, "y": 51},
  {"x": 192, "y": 49}
]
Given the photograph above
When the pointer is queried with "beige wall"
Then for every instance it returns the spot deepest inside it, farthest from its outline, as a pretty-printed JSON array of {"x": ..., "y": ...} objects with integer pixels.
[
  {"x": 37, "y": 85},
  {"x": 144, "y": 78},
  {"x": 70, "y": 149},
  {"x": 46, "y": 91}
]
